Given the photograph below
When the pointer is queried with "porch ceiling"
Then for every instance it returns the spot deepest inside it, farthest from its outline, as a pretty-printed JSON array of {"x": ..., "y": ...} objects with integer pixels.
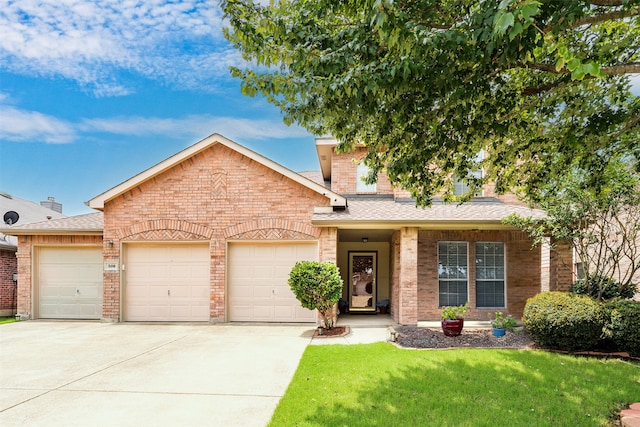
[{"x": 356, "y": 235}]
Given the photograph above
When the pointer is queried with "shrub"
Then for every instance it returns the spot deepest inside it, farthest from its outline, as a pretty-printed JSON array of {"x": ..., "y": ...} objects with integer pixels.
[
  {"x": 564, "y": 321},
  {"x": 317, "y": 285},
  {"x": 603, "y": 288},
  {"x": 623, "y": 325}
]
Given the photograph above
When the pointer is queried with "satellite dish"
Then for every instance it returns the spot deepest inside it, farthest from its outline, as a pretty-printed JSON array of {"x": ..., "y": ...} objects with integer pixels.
[{"x": 11, "y": 217}]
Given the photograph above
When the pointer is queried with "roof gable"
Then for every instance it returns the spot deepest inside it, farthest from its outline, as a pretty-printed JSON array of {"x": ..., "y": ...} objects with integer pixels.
[{"x": 98, "y": 202}]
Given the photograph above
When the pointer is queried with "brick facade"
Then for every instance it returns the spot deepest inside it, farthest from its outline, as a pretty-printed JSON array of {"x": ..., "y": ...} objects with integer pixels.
[
  {"x": 522, "y": 263},
  {"x": 407, "y": 294},
  {"x": 8, "y": 290},
  {"x": 217, "y": 195},
  {"x": 343, "y": 174}
]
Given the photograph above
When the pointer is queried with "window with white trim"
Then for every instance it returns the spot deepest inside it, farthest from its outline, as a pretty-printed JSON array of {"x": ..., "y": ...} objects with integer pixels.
[
  {"x": 362, "y": 187},
  {"x": 453, "y": 273},
  {"x": 490, "y": 275}
]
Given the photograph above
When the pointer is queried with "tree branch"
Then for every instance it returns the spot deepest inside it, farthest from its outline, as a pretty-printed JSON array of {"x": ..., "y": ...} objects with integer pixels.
[
  {"x": 594, "y": 19},
  {"x": 632, "y": 67},
  {"x": 607, "y": 2}
]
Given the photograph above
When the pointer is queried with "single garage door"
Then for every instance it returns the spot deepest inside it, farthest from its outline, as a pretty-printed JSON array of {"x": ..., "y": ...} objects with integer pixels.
[
  {"x": 69, "y": 283},
  {"x": 167, "y": 282},
  {"x": 257, "y": 282}
]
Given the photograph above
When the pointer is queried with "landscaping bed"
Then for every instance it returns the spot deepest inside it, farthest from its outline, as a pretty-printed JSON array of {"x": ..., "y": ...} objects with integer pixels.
[{"x": 417, "y": 337}]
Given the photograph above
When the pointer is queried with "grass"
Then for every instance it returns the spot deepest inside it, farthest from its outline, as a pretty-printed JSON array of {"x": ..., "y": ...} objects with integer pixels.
[
  {"x": 4, "y": 320},
  {"x": 382, "y": 385}
]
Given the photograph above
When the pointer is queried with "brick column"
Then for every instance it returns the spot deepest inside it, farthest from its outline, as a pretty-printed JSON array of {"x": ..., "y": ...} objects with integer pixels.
[
  {"x": 561, "y": 266},
  {"x": 328, "y": 250},
  {"x": 218, "y": 249},
  {"x": 24, "y": 297},
  {"x": 408, "y": 277}
]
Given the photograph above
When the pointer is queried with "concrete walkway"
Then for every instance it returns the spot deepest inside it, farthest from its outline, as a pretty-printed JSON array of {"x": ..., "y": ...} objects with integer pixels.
[
  {"x": 98, "y": 374},
  {"x": 364, "y": 329}
]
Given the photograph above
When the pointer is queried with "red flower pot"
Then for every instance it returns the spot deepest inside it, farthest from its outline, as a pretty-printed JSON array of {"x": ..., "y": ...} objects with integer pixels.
[{"x": 452, "y": 327}]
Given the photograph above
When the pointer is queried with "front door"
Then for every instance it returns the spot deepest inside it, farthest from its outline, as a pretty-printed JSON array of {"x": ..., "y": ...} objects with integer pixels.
[{"x": 362, "y": 281}]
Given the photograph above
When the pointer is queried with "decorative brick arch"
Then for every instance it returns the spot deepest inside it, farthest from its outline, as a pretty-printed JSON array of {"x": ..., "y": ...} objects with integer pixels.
[
  {"x": 271, "y": 229},
  {"x": 164, "y": 229}
]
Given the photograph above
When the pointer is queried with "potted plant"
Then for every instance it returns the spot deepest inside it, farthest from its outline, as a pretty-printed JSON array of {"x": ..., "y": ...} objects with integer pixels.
[
  {"x": 383, "y": 306},
  {"x": 453, "y": 319},
  {"x": 500, "y": 324}
]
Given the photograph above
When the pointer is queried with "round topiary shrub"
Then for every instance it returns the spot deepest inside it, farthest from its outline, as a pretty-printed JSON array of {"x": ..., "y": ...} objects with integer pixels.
[
  {"x": 317, "y": 285},
  {"x": 623, "y": 325},
  {"x": 564, "y": 321}
]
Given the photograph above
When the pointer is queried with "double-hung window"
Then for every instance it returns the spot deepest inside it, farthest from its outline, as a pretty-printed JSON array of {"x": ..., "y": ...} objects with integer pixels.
[
  {"x": 362, "y": 187},
  {"x": 490, "y": 275},
  {"x": 453, "y": 273}
]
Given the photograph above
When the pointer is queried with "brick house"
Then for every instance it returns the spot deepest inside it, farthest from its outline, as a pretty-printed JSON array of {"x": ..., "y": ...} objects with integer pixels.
[{"x": 211, "y": 233}]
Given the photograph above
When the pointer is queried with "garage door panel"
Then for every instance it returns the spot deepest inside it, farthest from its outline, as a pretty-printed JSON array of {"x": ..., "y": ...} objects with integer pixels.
[
  {"x": 284, "y": 314},
  {"x": 69, "y": 281},
  {"x": 167, "y": 282},
  {"x": 257, "y": 284}
]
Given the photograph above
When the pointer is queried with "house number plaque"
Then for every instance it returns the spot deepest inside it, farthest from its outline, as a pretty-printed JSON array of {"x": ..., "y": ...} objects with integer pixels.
[{"x": 111, "y": 266}]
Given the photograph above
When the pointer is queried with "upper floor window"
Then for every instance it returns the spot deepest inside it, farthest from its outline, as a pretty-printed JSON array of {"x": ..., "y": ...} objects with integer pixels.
[
  {"x": 460, "y": 187},
  {"x": 361, "y": 187}
]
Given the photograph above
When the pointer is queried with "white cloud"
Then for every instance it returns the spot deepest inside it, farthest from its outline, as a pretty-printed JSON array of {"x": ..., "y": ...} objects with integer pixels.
[
  {"x": 194, "y": 126},
  {"x": 20, "y": 125},
  {"x": 32, "y": 126},
  {"x": 179, "y": 43}
]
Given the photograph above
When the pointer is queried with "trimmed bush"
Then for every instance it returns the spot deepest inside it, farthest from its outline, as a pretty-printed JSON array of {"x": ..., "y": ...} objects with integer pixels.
[
  {"x": 604, "y": 288},
  {"x": 317, "y": 285},
  {"x": 564, "y": 321},
  {"x": 623, "y": 325}
]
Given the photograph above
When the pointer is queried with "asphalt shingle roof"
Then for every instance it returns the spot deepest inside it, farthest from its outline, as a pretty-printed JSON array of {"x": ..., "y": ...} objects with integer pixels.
[
  {"x": 387, "y": 210},
  {"x": 92, "y": 222}
]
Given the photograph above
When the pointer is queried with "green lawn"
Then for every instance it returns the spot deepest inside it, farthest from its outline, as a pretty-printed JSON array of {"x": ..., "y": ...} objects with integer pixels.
[
  {"x": 381, "y": 385},
  {"x": 4, "y": 320}
]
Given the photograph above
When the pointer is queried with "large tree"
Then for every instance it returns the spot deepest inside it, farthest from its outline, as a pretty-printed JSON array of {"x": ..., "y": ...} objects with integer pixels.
[
  {"x": 541, "y": 86},
  {"x": 602, "y": 226}
]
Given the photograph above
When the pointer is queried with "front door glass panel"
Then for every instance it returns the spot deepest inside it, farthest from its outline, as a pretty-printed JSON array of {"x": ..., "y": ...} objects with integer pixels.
[{"x": 362, "y": 281}]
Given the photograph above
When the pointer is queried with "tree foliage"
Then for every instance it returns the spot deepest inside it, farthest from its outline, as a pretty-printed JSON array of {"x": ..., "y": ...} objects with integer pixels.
[
  {"x": 317, "y": 285},
  {"x": 602, "y": 225},
  {"x": 541, "y": 86}
]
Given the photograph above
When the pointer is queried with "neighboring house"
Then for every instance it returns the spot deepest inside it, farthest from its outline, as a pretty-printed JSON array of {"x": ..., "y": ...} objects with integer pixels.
[
  {"x": 15, "y": 212},
  {"x": 211, "y": 233}
]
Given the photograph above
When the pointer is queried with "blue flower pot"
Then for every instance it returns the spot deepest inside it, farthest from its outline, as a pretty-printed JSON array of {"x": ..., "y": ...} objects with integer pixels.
[{"x": 499, "y": 332}]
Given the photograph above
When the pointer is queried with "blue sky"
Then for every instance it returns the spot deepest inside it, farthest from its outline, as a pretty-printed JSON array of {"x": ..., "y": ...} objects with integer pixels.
[
  {"x": 94, "y": 92},
  {"x": 91, "y": 93}
]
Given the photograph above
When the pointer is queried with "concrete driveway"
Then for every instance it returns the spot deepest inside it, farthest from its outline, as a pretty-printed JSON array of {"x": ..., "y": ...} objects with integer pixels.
[{"x": 98, "y": 374}]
